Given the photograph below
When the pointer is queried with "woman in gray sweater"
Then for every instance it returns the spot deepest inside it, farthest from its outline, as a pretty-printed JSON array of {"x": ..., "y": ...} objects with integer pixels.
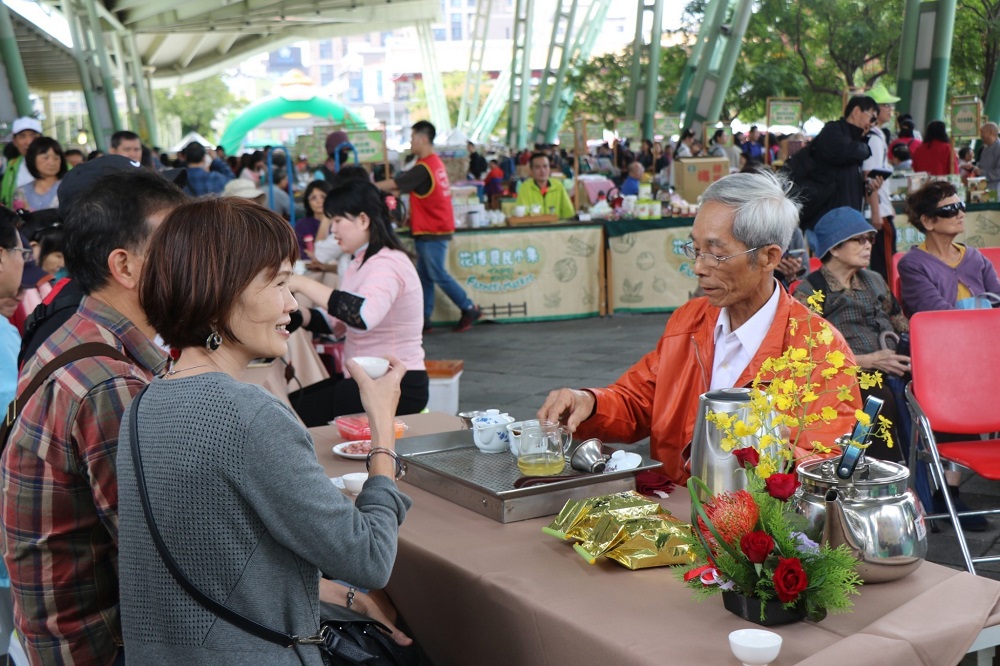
[{"x": 243, "y": 506}]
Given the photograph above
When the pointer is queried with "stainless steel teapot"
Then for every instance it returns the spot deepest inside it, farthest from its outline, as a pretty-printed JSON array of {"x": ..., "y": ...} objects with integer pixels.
[
  {"x": 873, "y": 513},
  {"x": 719, "y": 469}
]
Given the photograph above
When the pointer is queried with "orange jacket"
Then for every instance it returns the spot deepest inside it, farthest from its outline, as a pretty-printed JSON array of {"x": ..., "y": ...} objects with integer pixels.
[{"x": 658, "y": 396}]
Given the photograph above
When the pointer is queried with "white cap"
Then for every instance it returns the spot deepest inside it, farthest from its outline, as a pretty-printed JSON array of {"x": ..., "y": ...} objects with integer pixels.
[
  {"x": 241, "y": 187},
  {"x": 26, "y": 123}
]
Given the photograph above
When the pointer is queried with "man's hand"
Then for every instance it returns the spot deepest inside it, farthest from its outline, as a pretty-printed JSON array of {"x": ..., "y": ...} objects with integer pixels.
[
  {"x": 885, "y": 360},
  {"x": 569, "y": 406}
]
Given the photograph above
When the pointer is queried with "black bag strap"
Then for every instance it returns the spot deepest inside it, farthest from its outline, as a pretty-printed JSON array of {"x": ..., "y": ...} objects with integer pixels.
[
  {"x": 818, "y": 282},
  {"x": 210, "y": 604},
  {"x": 85, "y": 350}
]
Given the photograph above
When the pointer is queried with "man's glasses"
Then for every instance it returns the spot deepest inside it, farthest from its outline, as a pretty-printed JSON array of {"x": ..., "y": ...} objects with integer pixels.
[
  {"x": 710, "y": 260},
  {"x": 26, "y": 252},
  {"x": 874, "y": 118},
  {"x": 951, "y": 210}
]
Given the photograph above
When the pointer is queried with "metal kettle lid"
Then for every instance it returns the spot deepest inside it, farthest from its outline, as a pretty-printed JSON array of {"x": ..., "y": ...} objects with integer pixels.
[
  {"x": 728, "y": 394},
  {"x": 871, "y": 472}
]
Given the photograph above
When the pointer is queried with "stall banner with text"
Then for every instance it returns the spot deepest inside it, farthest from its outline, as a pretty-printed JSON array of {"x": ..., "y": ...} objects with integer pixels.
[
  {"x": 649, "y": 271},
  {"x": 526, "y": 274}
]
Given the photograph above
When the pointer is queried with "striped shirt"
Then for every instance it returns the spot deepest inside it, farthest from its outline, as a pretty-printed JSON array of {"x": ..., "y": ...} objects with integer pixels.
[{"x": 59, "y": 504}]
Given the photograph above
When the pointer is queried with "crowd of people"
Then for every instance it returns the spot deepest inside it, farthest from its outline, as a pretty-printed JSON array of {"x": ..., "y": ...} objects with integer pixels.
[{"x": 157, "y": 283}]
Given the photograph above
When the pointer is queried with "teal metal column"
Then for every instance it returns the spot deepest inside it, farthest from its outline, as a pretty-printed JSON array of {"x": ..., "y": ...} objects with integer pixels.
[
  {"x": 991, "y": 107},
  {"x": 553, "y": 78},
  {"x": 706, "y": 64},
  {"x": 469, "y": 106},
  {"x": 734, "y": 43},
  {"x": 84, "y": 66},
  {"x": 520, "y": 75},
  {"x": 937, "y": 93},
  {"x": 635, "y": 72},
  {"x": 907, "y": 55},
  {"x": 147, "y": 112},
  {"x": 12, "y": 63},
  {"x": 586, "y": 37},
  {"x": 433, "y": 86},
  {"x": 489, "y": 115},
  {"x": 100, "y": 48},
  {"x": 705, "y": 32},
  {"x": 653, "y": 73}
]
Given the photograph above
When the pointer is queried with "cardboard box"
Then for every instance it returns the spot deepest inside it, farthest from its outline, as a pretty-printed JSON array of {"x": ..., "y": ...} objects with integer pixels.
[{"x": 693, "y": 175}]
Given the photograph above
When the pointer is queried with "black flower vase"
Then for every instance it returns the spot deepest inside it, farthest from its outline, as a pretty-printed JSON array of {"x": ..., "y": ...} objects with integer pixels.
[{"x": 748, "y": 608}]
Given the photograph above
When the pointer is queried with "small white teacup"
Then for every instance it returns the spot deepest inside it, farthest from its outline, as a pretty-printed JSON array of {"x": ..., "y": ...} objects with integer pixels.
[{"x": 355, "y": 481}]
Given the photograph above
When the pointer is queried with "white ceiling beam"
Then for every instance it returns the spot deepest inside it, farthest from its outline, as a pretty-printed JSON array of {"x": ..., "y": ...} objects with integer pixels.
[{"x": 194, "y": 46}]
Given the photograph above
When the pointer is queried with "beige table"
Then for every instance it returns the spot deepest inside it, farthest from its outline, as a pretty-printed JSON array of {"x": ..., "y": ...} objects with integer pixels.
[{"x": 478, "y": 592}]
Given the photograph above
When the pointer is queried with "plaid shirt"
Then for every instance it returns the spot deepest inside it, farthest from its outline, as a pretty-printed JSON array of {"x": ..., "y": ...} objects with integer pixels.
[
  {"x": 60, "y": 490},
  {"x": 861, "y": 313}
]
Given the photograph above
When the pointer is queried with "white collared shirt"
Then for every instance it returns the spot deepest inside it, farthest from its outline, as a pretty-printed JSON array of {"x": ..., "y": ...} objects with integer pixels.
[{"x": 735, "y": 349}]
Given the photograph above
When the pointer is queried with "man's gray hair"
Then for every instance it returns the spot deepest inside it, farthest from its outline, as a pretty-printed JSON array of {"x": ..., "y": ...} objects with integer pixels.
[{"x": 766, "y": 212}]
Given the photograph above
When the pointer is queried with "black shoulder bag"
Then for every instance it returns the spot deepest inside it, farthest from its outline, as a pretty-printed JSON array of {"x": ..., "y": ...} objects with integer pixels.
[{"x": 345, "y": 637}]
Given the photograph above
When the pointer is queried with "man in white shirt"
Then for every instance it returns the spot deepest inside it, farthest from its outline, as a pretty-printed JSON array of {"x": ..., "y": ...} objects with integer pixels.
[
  {"x": 989, "y": 159},
  {"x": 881, "y": 212},
  {"x": 739, "y": 236}
]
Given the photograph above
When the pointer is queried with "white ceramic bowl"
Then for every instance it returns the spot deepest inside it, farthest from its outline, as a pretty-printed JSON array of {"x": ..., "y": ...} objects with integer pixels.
[
  {"x": 355, "y": 481},
  {"x": 373, "y": 366},
  {"x": 755, "y": 647}
]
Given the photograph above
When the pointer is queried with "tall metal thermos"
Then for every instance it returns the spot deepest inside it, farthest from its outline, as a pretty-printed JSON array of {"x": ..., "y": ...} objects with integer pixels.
[{"x": 719, "y": 469}]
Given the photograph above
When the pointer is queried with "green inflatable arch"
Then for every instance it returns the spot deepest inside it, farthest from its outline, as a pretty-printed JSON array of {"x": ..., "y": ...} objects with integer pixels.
[{"x": 274, "y": 107}]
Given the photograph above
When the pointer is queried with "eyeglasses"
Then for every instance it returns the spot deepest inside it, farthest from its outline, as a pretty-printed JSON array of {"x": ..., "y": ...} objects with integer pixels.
[
  {"x": 874, "y": 118},
  {"x": 711, "y": 260},
  {"x": 25, "y": 252},
  {"x": 951, "y": 210},
  {"x": 866, "y": 239}
]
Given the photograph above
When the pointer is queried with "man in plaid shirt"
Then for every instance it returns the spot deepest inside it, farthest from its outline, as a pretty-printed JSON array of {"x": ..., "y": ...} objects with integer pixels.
[{"x": 60, "y": 486}]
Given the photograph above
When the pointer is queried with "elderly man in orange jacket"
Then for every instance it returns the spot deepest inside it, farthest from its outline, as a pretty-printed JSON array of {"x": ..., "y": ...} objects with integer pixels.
[{"x": 716, "y": 341}]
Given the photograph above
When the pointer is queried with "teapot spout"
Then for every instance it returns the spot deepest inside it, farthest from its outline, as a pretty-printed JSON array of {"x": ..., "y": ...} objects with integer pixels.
[{"x": 836, "y": 530}]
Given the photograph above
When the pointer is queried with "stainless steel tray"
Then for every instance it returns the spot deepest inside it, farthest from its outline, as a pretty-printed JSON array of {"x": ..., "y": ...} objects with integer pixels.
[{"x": 450, "y": 466}]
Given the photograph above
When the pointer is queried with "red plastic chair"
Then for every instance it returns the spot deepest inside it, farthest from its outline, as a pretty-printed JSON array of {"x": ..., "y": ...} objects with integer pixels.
[
  {"x": 897, "y": 285},
  {"x": 993, "y": 254},
  {"x": 954, "y": 390}
]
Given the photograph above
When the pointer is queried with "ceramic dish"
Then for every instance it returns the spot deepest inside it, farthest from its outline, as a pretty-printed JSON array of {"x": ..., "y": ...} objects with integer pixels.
[
  {"x": 339, "y": 449},
  {"x": 338, "y": 482}
]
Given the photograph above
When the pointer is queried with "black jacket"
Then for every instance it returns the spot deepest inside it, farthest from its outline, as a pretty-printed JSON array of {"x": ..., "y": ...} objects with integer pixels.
[{"x": 837, "y": 179}]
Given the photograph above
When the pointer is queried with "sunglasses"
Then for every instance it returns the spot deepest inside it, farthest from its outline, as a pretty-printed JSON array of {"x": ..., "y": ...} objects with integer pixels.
[{"x": 951, "y": 210}]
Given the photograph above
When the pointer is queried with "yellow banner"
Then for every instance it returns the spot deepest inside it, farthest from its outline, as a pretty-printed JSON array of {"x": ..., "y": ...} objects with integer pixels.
[{"x": 649, "y": 271}]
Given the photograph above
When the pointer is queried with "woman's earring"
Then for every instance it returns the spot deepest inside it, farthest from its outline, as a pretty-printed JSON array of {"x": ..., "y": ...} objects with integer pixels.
[{"x": 213, "y": 341}]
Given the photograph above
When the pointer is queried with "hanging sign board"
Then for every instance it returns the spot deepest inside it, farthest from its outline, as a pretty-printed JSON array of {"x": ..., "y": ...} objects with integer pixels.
[
  {"x": 966, "y": 112},
  {"x": 784, "y": 111},
  {"x": 668, "y": 125},
  {"x": 628, "y": 128},
  {"x": 370, "y": 145}
]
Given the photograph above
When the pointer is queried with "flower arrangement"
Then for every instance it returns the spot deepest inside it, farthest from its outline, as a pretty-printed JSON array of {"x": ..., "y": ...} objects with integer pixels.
[{"x": 751, "y": 541}]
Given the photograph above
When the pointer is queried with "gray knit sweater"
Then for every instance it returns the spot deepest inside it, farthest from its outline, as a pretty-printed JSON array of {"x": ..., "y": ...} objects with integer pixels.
[{"x": 248, "y": 514}]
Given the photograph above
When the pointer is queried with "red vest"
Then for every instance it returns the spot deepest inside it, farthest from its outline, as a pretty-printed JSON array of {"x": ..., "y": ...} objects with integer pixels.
[{"x": 432, "y": 213}]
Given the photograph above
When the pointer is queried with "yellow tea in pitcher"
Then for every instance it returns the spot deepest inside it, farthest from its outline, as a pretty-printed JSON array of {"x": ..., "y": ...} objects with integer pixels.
[{"x": 541, "y": 464}]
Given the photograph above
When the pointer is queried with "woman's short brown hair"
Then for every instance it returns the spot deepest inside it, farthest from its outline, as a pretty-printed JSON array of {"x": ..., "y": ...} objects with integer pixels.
[
  {"x": 926, "y": 200},
  {"x": 201, "y": 259}
]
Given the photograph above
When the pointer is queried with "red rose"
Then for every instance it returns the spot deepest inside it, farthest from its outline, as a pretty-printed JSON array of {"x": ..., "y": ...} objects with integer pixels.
[
  {"x": 789, "y": 579},
  {"x": 782, "y": 486},
  {"x": 756, "y": 546},
  {"x": 747, "y": 454}
]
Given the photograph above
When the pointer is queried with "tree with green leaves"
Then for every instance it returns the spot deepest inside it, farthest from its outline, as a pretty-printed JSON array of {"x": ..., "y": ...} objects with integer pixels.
[{"x": 197, "y": 104}]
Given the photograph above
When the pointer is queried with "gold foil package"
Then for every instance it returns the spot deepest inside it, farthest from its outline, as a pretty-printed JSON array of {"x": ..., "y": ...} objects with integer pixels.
[
  {"x": 654, "y": 545},
  {"x": 579, "y": 517}
]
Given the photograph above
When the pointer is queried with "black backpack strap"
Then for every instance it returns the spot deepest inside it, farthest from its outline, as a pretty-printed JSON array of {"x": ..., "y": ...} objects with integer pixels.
[
  {"x": 210, "y": 604},
  {"x": 85, "y": 350},
  {"x": 818, "y": 282}
]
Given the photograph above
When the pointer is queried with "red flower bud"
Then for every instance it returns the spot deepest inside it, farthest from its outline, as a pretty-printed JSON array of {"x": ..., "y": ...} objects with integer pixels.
[
  {"x": 756, "y": 546},
  {"x": 789, "y": 579},
  {"x": 747, "y": 454},
  {"x": 782, "y": 486}
]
